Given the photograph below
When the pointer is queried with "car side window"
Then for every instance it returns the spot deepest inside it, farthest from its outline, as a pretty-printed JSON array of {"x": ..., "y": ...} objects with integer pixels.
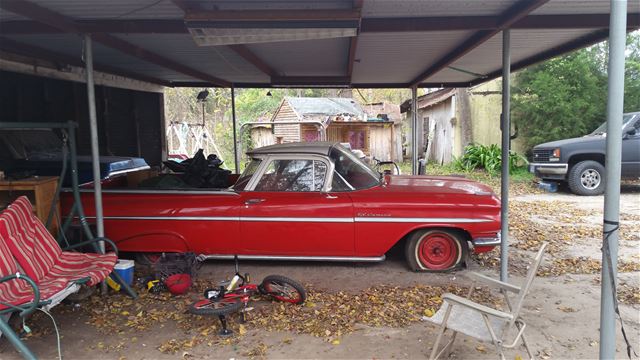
[{"x": 293, "y": 175}]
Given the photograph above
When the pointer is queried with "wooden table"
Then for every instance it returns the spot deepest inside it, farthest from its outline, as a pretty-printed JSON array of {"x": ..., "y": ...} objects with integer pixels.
[{"x": 40, "y": 190}]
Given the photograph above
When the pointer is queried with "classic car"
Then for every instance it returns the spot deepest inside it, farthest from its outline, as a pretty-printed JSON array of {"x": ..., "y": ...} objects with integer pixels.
[{"x": 308, "y": 201}]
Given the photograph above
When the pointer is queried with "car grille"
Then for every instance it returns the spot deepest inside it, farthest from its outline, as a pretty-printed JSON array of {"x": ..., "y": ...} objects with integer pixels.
[{"x": 542, "y": 155}]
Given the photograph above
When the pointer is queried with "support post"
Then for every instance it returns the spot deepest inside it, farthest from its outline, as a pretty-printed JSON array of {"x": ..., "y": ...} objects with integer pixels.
[
  {"x": 615, "y": 98},
  {"x": 414, "y": 130},
  {"x": 93, "y": 127},
  {"x": 505, "y": 127},
  {"x": 236, "y": 156}
]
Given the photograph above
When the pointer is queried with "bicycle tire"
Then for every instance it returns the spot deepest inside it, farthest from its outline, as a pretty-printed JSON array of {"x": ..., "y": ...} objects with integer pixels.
[
  {"x": 223, "y": 306},
  {"x": 283, "y": 289}
]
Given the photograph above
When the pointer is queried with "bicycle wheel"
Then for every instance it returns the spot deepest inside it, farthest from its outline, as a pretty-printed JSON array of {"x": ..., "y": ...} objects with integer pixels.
[
  {"x": 224, "y": 306},
  {"x": 284, "y": 289}
]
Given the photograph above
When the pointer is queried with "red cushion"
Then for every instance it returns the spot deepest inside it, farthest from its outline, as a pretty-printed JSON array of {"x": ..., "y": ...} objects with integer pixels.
[
  {"x": 76, "y": 266},
  {"x": 16, "y": 291},
  {"x": 29, "y": 241}
]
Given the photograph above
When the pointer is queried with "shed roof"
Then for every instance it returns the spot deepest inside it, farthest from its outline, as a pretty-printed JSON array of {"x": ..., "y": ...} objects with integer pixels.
[
  {"x": 429, "y": 99},
  {"x": 357, "y": 43},
  {"x": 324, "y": 106}
]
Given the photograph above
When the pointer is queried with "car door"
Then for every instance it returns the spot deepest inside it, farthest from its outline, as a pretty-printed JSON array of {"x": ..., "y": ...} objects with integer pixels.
[
  {"x": 631, "y": 150},
  {"x": 286, "y": 212}
]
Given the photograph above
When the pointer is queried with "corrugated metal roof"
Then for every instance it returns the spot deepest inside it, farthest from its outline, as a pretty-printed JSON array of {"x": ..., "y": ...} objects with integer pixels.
[
  {"x": 381, "y": 58},
  {"x": 420, "y": 8},
  {"x": 408, "y": 54},
  {"x": 524, "y": 43},
  {"x": 324, "y": 106},
  {"x": 71, "y": 45},
  {"x": 584, "y": 6},
  {"x": 325, "y": 57},
  {"x": 218, "y": 61}
]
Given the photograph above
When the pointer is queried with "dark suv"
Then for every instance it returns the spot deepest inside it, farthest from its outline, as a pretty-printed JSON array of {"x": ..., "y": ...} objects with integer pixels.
[{"x": 580, "y": 161}]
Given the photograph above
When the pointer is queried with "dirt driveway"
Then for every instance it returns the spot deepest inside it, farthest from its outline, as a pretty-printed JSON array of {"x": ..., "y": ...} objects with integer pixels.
[{"x": 374, "y": 311}]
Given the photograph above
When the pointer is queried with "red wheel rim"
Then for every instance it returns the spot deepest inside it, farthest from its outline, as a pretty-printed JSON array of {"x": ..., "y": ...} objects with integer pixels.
[
  {"x": 283, "y": 292},
  {"x": 437, "y": 251}
]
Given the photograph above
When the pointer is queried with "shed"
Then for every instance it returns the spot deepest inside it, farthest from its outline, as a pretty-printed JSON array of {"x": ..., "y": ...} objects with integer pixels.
[
  {"x": 450, "y": 119},
  {"x": 332, "y": 119}
]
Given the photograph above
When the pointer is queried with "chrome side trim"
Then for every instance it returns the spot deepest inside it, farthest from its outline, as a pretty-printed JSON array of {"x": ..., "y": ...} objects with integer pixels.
[
  {"x": 297, "y": 219},
  {"x": 297, "y": 258},
  {"x": 159, "y": 192},
  {"x": 418, "y": 220},
  {"x": 176, "y": 218}
]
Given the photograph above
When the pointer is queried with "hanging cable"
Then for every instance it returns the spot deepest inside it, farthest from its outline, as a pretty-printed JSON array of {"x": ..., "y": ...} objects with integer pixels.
[{"x": 612, "y": 279}]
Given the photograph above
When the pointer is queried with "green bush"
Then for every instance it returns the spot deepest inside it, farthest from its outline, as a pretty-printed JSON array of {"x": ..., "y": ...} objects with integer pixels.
[{"x": 487, "y": 157}]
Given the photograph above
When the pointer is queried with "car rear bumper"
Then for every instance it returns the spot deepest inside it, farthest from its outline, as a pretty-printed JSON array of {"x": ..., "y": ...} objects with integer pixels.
[
  {"x": 549, "y": 170},
  {"x": 487, "y": 240}
]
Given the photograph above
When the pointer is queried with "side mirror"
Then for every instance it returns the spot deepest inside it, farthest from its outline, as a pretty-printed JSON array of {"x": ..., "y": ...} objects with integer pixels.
[{"x": 630, "y": 132}]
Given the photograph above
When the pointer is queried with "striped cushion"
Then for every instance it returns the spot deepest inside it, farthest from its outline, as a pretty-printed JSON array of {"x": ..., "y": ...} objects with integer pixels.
[
  {"x": 39, "y": 254},
  {"x": 75, "y": 266},
  {"x": 17, "y": 292},
  {"x": 29, "y": 241}
]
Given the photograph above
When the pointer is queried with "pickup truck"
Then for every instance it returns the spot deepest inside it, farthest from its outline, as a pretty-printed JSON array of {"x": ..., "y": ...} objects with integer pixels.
[{"x": 579, "y": 162}]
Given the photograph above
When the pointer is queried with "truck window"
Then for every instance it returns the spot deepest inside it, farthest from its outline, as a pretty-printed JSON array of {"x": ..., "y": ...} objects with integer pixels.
[{"x": 247, "y": 174}]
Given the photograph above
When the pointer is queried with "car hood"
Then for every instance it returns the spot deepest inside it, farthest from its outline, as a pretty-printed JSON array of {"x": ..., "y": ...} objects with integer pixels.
[
  {"x": 581, "y": 140},
  {"x": 436, "y": 185}
]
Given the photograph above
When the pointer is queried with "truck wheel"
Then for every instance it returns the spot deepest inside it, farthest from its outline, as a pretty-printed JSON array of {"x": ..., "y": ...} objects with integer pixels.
[
  {"x": 587, "y": 178},
  {"x": 435, "y": 250}
]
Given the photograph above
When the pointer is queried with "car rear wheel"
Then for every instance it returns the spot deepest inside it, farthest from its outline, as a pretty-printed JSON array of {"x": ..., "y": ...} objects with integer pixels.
[
  {"x": 587, "y": 178},
  {"x": 435, "y": 250}
]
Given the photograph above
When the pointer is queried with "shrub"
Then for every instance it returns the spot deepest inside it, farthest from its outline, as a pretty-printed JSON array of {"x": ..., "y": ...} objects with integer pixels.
[{"x": 487, "y": 157}]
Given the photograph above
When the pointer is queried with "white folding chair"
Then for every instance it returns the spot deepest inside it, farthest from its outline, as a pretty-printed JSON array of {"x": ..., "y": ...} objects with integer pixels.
[{"x": 461, "y": 315}]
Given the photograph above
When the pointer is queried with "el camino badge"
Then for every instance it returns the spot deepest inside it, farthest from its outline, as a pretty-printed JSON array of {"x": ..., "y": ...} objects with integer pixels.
[{"x": 363, "y": 214}]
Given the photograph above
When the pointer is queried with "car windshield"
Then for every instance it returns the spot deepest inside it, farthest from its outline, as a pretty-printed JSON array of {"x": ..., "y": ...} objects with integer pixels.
[
  {"x": 243, "y": 180},
  {"x": 352, "y": 170},
  {"x": 602, "y": 129}
]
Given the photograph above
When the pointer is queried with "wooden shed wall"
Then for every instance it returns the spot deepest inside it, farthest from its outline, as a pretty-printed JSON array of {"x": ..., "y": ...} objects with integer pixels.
[{"x": 288, "y": 132}]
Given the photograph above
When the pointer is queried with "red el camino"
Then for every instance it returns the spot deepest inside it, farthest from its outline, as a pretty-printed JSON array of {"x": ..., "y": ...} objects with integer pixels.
[{"x": 309, "y": 201}]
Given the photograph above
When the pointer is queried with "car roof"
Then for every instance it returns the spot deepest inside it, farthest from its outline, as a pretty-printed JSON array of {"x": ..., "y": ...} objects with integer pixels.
[{"x": 316, "y": 147}]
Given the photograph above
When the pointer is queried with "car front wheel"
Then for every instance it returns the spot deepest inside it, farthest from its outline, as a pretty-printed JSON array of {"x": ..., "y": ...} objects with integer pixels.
[
  {"x": 587, "y": 178},
  {"x": 435, "y": 250}
]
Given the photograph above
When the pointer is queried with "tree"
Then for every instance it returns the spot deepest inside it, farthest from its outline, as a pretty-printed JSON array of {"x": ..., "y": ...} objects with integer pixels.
[{"x": 566, "y": 96}]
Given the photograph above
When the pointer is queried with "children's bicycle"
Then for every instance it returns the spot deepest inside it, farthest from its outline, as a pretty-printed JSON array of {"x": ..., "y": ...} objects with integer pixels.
[{"x": 234, "y": 296}]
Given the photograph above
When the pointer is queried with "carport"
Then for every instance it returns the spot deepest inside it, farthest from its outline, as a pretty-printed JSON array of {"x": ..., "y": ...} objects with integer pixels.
[{"x": 335, "y": 43}]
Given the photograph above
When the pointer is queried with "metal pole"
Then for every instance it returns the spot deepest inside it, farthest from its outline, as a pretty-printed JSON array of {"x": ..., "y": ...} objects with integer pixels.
[
  {"x": 505, "y": 127},
  {"x": 93, "y": 126},
  {"x": 414, "y": 130},
  {"x": 236, "y": 158},
  {"x": 615, "y": 98}
]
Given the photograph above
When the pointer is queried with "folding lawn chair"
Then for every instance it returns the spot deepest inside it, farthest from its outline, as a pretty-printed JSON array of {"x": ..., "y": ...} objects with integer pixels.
[
  {"x": 51, "y": 274},
  {"x": 461, "y": 315}
]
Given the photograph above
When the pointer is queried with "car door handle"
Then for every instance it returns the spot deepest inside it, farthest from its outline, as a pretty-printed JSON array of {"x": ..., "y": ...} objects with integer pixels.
[{"x": 253, "y": 201}]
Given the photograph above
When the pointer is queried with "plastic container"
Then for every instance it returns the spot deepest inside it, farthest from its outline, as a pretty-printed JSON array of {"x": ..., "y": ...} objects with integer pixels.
[
  {"x": 124, "y": 268},
  {"x": 548, "y": 186}
]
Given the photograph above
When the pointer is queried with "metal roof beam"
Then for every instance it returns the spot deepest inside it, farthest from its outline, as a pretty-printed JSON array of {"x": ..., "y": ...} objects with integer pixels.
[
  {"x": 18, "y": 48},
  {"x": 516, "y": 12},
  {"x": 368, "y": 25},
  {"x": 353, "y": 42},
  {"x": 46, "y": 16}
]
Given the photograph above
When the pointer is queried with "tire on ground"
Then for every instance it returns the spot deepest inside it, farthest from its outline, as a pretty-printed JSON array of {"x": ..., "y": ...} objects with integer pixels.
[
  {"x": 436, "y": 250},
  {"x": 265, "y": 288},
  {"x": 587, "y": 178}
]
